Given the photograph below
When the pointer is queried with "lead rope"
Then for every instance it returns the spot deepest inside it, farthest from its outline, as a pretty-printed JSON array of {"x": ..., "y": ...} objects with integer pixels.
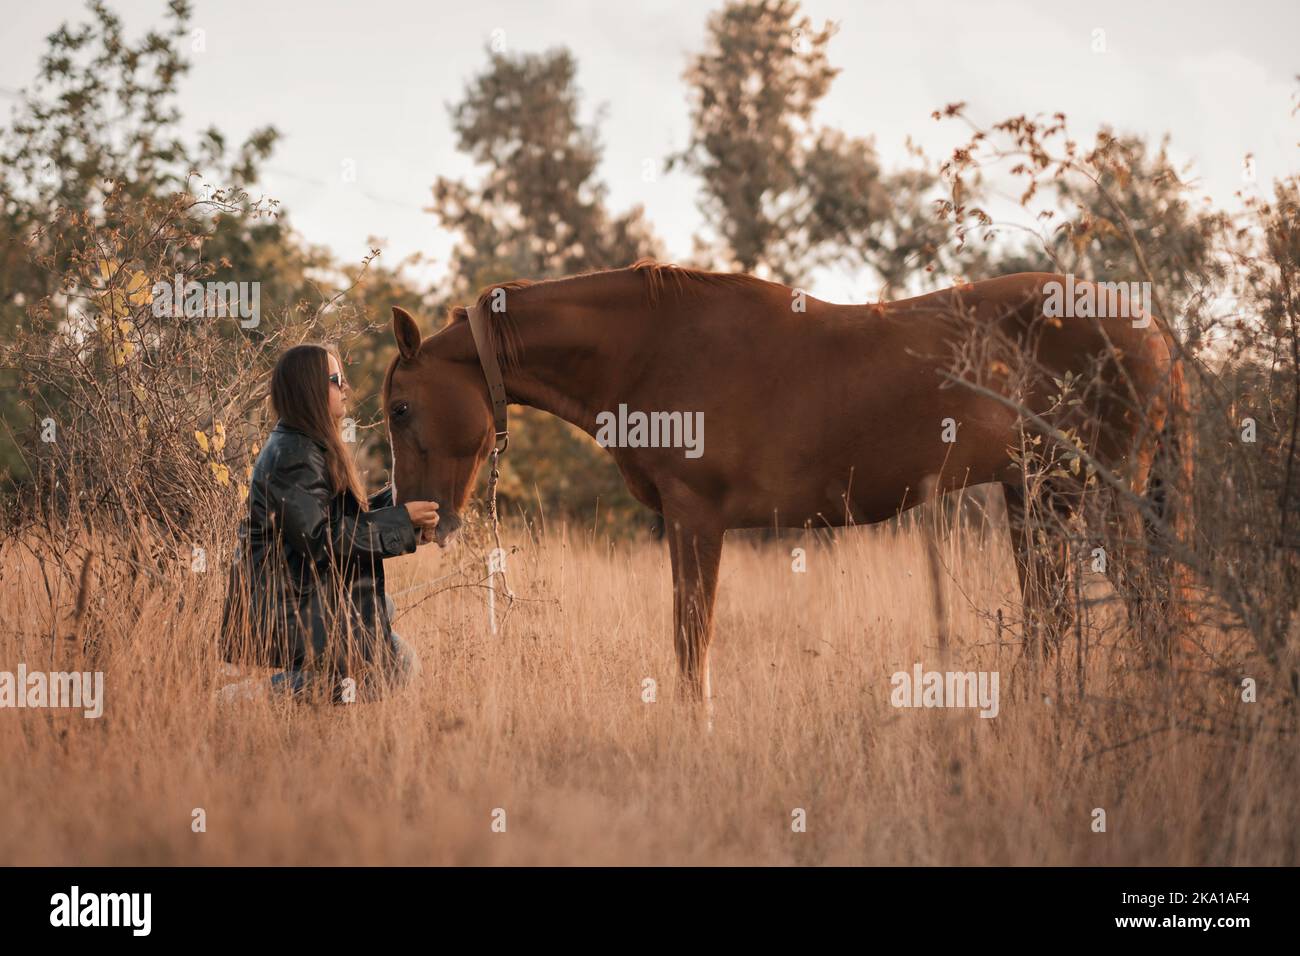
[
  {"x": 497, "y": 566},
  {"x": 496, "y": 559}
]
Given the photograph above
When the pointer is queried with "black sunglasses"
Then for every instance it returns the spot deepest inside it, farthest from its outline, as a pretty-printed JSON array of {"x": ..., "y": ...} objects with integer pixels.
[{"x": 336, "y": 378}]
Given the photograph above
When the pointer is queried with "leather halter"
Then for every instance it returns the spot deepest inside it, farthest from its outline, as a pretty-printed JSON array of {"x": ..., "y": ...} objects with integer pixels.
[{"x": 487, "y": 359}]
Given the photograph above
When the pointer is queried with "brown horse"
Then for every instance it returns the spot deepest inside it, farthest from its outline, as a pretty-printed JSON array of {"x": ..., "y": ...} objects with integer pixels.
[{"x": 812, "y": 412}]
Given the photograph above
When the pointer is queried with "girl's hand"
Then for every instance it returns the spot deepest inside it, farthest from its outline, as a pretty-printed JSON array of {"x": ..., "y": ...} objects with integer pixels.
[{"x": 424, "y": 515}]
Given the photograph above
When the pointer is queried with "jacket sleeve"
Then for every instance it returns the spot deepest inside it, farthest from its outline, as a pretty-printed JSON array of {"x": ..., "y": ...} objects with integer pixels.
[
  {"x": 382, "y": 498},
  {"x": 299, "y": 494}
]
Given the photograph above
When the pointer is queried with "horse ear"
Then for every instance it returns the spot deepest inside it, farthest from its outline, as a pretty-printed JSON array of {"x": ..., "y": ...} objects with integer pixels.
[{"x": 406, "y": 332}]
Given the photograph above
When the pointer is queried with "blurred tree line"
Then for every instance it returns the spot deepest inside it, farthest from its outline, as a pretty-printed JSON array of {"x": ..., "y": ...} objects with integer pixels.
[{"x": 781, "y": 197}]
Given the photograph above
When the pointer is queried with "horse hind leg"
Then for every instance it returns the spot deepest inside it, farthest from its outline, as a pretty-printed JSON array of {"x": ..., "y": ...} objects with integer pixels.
[{"x": 1141, "y": 571}]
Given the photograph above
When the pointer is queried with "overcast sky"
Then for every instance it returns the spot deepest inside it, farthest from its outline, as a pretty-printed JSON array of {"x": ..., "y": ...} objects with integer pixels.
[{"x": 369, "y": 83}]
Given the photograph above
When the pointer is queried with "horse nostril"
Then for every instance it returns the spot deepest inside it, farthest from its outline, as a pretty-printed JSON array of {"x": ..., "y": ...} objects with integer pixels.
[{"x": 448, "y": 524}]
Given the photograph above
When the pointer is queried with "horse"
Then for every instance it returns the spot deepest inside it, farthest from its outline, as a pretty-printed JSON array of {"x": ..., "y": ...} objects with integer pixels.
[{"x": 813, "y": 413}]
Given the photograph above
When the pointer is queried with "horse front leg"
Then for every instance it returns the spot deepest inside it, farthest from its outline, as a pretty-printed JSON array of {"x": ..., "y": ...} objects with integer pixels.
[{"x": 696, "y": 554}]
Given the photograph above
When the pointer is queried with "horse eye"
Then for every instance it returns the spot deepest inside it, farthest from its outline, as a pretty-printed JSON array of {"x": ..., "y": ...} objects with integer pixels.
[{"x": 400, "y": 409}]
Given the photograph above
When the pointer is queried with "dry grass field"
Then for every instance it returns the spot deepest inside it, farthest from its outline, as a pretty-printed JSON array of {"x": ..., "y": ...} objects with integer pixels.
[
  {"x": 547, "y": 722},
  {"x": 1094, "y": 280}
]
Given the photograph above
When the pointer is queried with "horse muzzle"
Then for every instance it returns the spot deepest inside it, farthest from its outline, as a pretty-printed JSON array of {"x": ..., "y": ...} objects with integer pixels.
[{"x": 446, "y": 528}]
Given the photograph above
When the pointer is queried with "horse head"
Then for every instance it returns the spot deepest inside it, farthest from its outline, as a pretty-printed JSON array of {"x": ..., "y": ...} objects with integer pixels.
[{"x": 439, "y": 420}]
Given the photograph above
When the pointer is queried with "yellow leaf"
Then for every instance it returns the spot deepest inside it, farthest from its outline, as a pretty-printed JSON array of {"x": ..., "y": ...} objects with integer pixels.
[
  {"x": 221, "y": 472},
  {"x": 218, "y": 437},
  {"x": 114, "y": 304},
  {"x": 202, "y": 439},
  {"x": 139, "y": 290},
  {"x": 243, "y": 491}
]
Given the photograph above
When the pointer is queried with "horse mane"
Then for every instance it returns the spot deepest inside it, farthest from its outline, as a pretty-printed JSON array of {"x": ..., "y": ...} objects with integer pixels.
[
  {"x": 656, "y": 273},
  {"x": 657, "y": 276},
  {"x": 502, "y": 331}
]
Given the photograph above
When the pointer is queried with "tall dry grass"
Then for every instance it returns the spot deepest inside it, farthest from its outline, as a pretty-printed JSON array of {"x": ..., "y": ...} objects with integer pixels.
[{"x": 547, "y": 721}]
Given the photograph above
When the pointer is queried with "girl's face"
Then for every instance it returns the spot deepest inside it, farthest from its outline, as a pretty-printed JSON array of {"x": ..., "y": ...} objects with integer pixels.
[{"x": 338, "y": 393}]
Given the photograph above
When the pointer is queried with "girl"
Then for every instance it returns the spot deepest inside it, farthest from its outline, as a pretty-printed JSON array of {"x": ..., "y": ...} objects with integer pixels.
[{"x": 306, "y": 588}]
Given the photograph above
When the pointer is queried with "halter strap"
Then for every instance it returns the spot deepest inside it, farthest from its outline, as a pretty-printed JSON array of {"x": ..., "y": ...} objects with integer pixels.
[{"x": 487, "y": 359}]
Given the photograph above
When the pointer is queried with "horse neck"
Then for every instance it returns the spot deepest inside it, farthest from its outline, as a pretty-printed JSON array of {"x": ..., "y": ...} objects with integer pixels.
[{"x": 572, "y": 355}]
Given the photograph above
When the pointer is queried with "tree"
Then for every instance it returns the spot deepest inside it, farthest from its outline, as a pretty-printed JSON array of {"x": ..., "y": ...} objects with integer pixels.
[
  {"x": 539, "y": 210},
  {"x": 95, "y": 141},
  {"x": 1139, "y": 188},
  {"x": 101, "y": 120},
  {"x": 754, "y": 90},
  {"x": 782, "y": 195}
]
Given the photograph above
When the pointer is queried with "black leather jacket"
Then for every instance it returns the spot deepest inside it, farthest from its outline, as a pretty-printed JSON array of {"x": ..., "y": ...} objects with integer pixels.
[{"x": 307, "y": 580}]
